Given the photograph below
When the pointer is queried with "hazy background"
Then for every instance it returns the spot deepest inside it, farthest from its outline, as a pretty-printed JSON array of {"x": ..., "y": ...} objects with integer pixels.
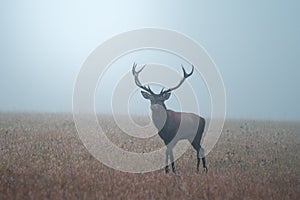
[{"x": 255, "y": 45}]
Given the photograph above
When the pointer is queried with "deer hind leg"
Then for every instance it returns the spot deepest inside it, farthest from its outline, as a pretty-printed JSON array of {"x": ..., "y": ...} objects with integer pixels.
[
  {"x": 198, "y": 160},
  {"x": 197, "y": 148},
  {"x": 202, "y": 156}
]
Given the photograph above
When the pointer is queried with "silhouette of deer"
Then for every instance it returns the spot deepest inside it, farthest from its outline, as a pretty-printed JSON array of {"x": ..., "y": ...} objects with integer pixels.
[{"x": 173, "y": 126}]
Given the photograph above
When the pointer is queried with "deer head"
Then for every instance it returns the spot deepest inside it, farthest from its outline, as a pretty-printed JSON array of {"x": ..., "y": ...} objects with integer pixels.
[{"x": 158, "y": 106}]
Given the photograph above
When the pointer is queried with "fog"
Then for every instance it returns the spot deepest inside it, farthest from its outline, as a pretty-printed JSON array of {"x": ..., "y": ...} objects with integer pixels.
[{"x": 254, "y": 44}]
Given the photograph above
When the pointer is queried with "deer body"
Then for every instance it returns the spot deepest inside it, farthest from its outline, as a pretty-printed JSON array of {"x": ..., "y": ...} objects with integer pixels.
[
  {"x": 170, "y": 129},
  {"x": 173, "y": 126}
]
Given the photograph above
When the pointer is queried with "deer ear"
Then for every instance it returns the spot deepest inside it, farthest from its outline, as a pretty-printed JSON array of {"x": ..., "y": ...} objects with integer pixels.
[
  {"x": 166, "y": 95},
  {"x": 146, "y": 95}
]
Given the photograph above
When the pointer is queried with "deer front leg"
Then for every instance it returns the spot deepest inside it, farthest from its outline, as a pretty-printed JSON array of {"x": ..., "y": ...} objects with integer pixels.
[
  {"x": 172, "y": 161},
  {"x": 167, "y": 159},
  {"x": 198, "y": 160}
]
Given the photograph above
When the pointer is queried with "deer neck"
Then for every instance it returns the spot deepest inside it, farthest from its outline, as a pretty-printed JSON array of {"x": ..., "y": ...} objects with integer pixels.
[{"x": 159, "y": 116}]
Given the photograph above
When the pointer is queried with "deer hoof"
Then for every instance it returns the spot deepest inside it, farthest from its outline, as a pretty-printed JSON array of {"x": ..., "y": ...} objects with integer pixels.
[{"x": 167, "y": 169}]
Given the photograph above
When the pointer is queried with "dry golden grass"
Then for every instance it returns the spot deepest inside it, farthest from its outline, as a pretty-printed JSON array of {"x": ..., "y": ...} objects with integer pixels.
[{"x": 43, "y": 158}]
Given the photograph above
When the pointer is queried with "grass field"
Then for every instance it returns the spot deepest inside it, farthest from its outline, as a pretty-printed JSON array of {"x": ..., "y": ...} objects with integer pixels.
[{"x": 42, "y": 157}]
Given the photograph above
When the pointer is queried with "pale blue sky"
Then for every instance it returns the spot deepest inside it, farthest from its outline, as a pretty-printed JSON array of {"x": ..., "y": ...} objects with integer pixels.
[{"x": 255, "y": 44}]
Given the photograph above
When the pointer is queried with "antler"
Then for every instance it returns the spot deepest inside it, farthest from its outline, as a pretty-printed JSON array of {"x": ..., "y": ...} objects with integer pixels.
[
  {"x": 185, "y": 75},
  {"x": 136, "y": 78}
]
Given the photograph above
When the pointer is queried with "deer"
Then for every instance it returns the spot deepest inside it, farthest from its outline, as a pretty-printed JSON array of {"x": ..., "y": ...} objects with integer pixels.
[{"x": 173, "y": 126}]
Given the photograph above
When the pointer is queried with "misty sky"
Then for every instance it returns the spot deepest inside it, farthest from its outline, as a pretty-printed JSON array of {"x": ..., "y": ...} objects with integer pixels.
[{"x": 255, "y": 44}]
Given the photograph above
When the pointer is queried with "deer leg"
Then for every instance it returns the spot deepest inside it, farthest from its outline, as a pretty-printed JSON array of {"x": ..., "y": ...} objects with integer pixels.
[
  {"x": 167, "y": 158},
  {"x": 202, "y": 156},
  {"x": 198, "y": 160},
  {"x": 204, "y": 164},
  {"x": 197, "y": 147},
  {"x": 172, "y": 161}
]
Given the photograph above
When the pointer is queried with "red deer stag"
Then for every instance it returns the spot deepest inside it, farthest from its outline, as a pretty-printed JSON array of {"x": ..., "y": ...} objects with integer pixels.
[{"x": 173, "y": 126}]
